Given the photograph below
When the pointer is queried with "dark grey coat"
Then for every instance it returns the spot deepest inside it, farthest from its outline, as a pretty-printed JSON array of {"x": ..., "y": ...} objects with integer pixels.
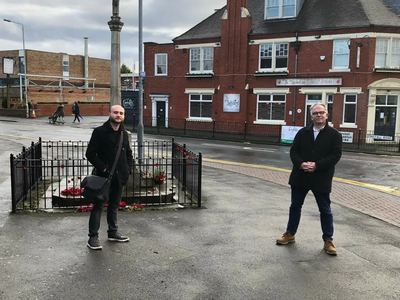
[
  {"x": 102, "y": 149},
  {"x": 325, "y": 151}
]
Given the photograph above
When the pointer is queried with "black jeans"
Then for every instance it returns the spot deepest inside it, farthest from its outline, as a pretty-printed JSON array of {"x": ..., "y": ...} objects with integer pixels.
[
  {"x": 324, "y": 205},
  {"x": 77, "y": 118},
  {"x": 112, "y": 212}
]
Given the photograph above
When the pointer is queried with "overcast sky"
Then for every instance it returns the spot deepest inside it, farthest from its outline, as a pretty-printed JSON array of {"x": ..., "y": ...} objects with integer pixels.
[{"x": 60, "y": 26}]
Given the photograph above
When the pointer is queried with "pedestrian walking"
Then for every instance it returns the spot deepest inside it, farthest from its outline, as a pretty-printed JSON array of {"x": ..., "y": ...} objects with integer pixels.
[
  {"x": 316, "y": 150},
  {"x": 76, "y": 112},
  {"x": 60, "y": 113},
  {"x": 101, "y": 153}
]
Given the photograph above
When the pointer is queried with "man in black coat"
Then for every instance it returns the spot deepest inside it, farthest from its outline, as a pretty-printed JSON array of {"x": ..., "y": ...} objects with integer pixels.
[
  {"x": 101, "y": 152},
  {"x": 316, "y": 150}
]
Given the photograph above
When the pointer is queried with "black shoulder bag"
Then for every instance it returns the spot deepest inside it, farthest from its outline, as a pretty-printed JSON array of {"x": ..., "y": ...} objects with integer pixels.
[{"x": 97, "y": 188}]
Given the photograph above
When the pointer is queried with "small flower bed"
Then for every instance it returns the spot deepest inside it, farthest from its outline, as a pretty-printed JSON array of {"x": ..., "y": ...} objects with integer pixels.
[
  {"x": 72, "y": 191},
  {"x": 122, "y": 206},
  {"x": 159, "y": 176}
]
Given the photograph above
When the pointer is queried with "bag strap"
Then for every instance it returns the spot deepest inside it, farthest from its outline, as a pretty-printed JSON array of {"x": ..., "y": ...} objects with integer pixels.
[{"x": 118, "y": 154}]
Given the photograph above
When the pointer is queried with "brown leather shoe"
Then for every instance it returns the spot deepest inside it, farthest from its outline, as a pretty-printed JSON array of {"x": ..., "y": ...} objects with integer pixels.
[
  {"x": 286, "y": 238},
  {"x": 330, "y": 248}
]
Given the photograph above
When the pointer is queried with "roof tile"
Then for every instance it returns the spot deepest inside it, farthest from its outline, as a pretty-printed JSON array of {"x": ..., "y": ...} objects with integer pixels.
[{"x": 314, "y": 15}]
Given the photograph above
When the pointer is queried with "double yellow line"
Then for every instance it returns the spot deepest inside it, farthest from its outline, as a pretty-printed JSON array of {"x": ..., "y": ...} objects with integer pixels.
[{"x": 379, "y": 188}]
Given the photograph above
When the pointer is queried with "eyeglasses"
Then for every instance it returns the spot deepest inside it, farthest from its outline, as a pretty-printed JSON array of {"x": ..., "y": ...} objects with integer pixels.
[{"x": 315, "y": 113}]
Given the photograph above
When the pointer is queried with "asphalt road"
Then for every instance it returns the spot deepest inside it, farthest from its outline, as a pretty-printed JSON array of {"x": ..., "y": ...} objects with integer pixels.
[
  {"x": 226, "y": 251},
  {"x": 375, "y": 169},
  {"x": 368, "y": 168}
]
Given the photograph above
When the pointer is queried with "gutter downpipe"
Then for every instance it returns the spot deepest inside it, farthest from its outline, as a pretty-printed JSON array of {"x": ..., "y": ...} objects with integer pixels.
[{"x": 296, "y": 48}]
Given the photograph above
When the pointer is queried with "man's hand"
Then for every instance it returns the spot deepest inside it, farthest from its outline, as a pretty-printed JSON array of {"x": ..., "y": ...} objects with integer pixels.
[{"x": 308, "y": 167}]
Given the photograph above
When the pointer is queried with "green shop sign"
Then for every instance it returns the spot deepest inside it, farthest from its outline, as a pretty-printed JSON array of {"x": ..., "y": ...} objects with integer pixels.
[{"x": 10, "y": 81}]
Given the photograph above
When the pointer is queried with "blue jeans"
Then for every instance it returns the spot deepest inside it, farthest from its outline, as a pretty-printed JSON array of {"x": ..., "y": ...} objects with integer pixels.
[
  {"x": 324, "y": 205},
  {"x": 112, "y": 212}
]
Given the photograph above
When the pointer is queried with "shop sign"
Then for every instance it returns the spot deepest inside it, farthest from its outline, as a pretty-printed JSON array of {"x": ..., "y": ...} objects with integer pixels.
[
  {"x": 347, "y": 137},
  {"x": 380, "y": 137},
  {"x": 10, "y": 81},
  {"x": 231, "y": 102},
  {"x": 309, "y": 81},
  {"x": 288, "y": 133}
]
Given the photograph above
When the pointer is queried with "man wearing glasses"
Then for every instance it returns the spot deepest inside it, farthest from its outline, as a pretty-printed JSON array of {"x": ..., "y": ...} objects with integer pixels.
[{"x": 316, "y": 150}]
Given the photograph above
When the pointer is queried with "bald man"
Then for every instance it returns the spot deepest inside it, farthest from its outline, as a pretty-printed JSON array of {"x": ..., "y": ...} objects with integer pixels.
[{"x": 101, "y": 153}]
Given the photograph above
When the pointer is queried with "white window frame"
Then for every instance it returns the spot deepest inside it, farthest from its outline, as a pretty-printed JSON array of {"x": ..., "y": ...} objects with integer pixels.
[
  {"x": 270, "y": 102},
  {"x": 201, "y": 57},
  {"x": 275, "y": 47},
  {"x": 280, "y": 6},
  {"x": 350, "y": 103},
  {"x": 340, "y": 49},
  {"x": 157, "y": 64},
  {"x": 65, "y": 66},
  {"x": 386, "y": 100},
  {"x": 22, "y": 64},
  {"x": 201, "y": 101},
  {"x": 323, "y": 91},
  {"x": 391, "y": 49}
]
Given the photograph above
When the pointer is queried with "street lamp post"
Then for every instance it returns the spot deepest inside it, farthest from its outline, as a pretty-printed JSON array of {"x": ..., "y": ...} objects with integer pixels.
[
  {"x": 25, "y": 60},
  {"x": 140, "y": 129}
]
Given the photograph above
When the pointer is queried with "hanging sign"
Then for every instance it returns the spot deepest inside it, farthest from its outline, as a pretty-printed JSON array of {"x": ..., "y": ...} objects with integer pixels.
[
  {"x": 8, "y": 65},
  {"x": 231, "y": 102}
]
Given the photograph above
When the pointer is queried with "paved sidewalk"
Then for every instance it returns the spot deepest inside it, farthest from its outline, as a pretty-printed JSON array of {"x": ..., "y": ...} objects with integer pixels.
[
  {"x": 225, "y": 251},
  {"x": 380, "y": 205}
]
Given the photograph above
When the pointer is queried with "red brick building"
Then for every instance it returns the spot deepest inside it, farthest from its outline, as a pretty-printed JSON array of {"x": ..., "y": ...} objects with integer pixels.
[
  {"x": 265, "y": 62},
  {"x": 54, "y": 78}
]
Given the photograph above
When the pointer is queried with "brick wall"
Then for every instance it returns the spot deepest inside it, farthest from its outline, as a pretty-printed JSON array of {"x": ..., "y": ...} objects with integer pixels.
[
  {"x": 46, "y": 90},
  {"x": 91, "y": 109},
  {"x": 310, "y": 65},
  {"x": 48, "y": 63}
]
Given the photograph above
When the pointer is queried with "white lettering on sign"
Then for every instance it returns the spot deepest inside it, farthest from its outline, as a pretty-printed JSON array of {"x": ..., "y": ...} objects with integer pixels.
[
  {"x": 380, "y": 137},
  {"x": 288, "y": 133},
  {"x": 347, "y": 136},
  {"x": 308, "y": 81}
]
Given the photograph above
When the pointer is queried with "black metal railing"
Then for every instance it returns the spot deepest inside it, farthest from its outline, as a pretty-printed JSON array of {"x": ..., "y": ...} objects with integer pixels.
[
  {"x": 48, "y": 175},
  {"x": 371, "y": 142},
  {"x": 25, "y": 172},
  {"x": 234, "y": 131},
  {"x": 187, "y": 168}
]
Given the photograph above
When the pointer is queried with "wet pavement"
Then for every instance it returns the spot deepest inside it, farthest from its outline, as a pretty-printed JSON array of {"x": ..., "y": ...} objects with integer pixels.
[{"x": 226, "y": 250}]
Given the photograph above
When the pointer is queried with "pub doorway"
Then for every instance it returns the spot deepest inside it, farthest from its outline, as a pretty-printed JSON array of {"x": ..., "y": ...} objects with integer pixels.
[{"x": 385, "y": 117}]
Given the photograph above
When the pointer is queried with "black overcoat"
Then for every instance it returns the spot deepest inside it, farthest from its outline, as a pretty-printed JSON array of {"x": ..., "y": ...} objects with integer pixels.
[
  {"x": 325, "y": 151},
  {"x": 102, "y": 149},
  {"x": 76, "y": 109}
]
